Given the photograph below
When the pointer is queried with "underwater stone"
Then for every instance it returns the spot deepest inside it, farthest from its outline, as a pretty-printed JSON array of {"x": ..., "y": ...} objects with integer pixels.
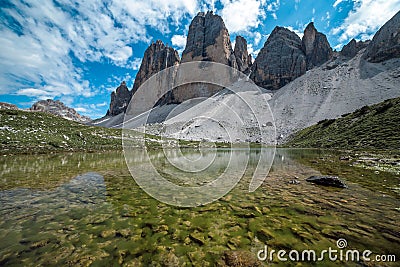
[{"x": 327, "y": 181}]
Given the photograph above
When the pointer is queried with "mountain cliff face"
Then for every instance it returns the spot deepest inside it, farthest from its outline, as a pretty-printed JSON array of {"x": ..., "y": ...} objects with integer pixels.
[
  {"x": 243, "y": 58},
  {"x": 336, "y": 83},
  {"x": 353, "y": 47},
  {"x": 280, "y": 61},
  {"x": 208, "y": 40},
  {"x": 156, "y": 58},
  {"x": 8, "y": 106},
  {"x": 59, "y": 109},
  {"x": 315, "y": 46},
  {"x": 119, "y": 100},
  {"x": 386, "y": 42},
  {"x": 327, "y": 93}
]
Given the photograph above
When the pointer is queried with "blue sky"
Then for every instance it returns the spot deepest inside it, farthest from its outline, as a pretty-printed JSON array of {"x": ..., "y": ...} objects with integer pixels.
[{"x": 80, "y": 51}]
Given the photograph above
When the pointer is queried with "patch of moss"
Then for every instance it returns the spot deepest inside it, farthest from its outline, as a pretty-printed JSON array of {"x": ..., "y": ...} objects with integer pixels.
[
  {"x": 37, "y": 132},
  {"x": 370, "y": 127}
]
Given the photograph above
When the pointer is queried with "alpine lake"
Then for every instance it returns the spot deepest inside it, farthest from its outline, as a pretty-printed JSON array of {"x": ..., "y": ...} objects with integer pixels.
[{"x": 85, "y": 209}]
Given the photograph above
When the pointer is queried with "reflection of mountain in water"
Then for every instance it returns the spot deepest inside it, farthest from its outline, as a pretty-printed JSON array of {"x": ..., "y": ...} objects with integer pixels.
[
  {"x": 51, "y": 171},
  {"x": 84, "y": 191}
]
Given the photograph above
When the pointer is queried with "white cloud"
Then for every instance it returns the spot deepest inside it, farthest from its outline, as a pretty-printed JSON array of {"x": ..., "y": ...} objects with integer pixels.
[
  {"x": 81, "y": 109},
  {"x": 179, "y": 41},
  {"x": 36, "y": 59},
  {"x": 241, "y": 15},
  {"x": 39, "y": 93},
  {"x": 257, "y": 38},
  {"x": 366, "y": 18},
  {"x": 101, "y": 104},
  {"x": 252, "y": 51},
  {"x": 95, "y": 110},
  {"x": 273, "y": 6},
  {"x": 299, "y": 32},
  {"x": 134, "y": 64},
  {"x": 120, "y": 55},
  {"x": 338, "y": 47},
  {"x": 337, "y": 2}
]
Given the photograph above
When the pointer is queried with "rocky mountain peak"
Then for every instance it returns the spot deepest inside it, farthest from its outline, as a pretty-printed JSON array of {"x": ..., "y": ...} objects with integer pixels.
[
  {"x": 353, "y": 47},
  {"x": 119, "y": 100},
  {"x": 280, "y": 61},
  {"x": 58, "y": 108},
  {"x": 315, "y": 46},
  {"x": 156, "y": 58},
  {"x": 243, "y": 58},
  {"x": 8, "y": 106},
  {"x": 208, "y": 40},
  {"x": 386, "y": 42}
]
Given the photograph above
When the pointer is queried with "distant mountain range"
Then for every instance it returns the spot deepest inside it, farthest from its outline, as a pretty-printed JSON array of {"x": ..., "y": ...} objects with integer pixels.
[
  {"x": 54, "y": 107},
  {"x": 305, "y": 79},
  {"x": 283, "y": 58}
]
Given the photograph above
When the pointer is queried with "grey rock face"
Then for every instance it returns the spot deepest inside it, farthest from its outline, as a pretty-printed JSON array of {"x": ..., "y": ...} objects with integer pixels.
[
  {"x": 386, "y": 42},
  {"x": 315, "y": 46},
  {"x": 8, "y": 106},
  {"x": 243, "y": 58},
  {"x": 59, "y": 109},
  {"x": 353, "y": 47},
  {"x": 280, "y": 61},
  {"x": 119, "y": 100},
  {"x": 156, "y": 58},
  {"x": 208, "y": 40}
]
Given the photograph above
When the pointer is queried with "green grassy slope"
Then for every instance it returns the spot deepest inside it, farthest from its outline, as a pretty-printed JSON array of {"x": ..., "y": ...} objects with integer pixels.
[
  {"x": 27, "y": 132},
  {"x": 371, "y": 127}
]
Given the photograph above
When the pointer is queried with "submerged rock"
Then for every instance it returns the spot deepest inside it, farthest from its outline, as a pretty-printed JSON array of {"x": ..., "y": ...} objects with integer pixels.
[
  {"x": 240, "y": 258},
  {"x": 327, "y": 181}
]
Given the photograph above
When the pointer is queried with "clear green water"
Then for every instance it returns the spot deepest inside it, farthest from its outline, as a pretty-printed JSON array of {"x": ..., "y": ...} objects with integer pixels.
[{"x": 85, "y": 209}]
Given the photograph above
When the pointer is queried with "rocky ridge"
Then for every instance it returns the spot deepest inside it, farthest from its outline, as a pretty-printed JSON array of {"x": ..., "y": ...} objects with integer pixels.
[
  {"x": 119, "y": 100},
  {"x": 8, "y": 106},
  {"x": 314, "y": 82},
  {"x": 157, "y": 57},
  {"x": 56, "y": 107},
  {"x": 315, "y": 46},
  {"x": 353, "y": 47},
  {"x": 243, "y": 58},
  {"x": 386, "y": 42},
  {"x": 208, "y": 40},
  {"x": 280, "y": 61}
]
